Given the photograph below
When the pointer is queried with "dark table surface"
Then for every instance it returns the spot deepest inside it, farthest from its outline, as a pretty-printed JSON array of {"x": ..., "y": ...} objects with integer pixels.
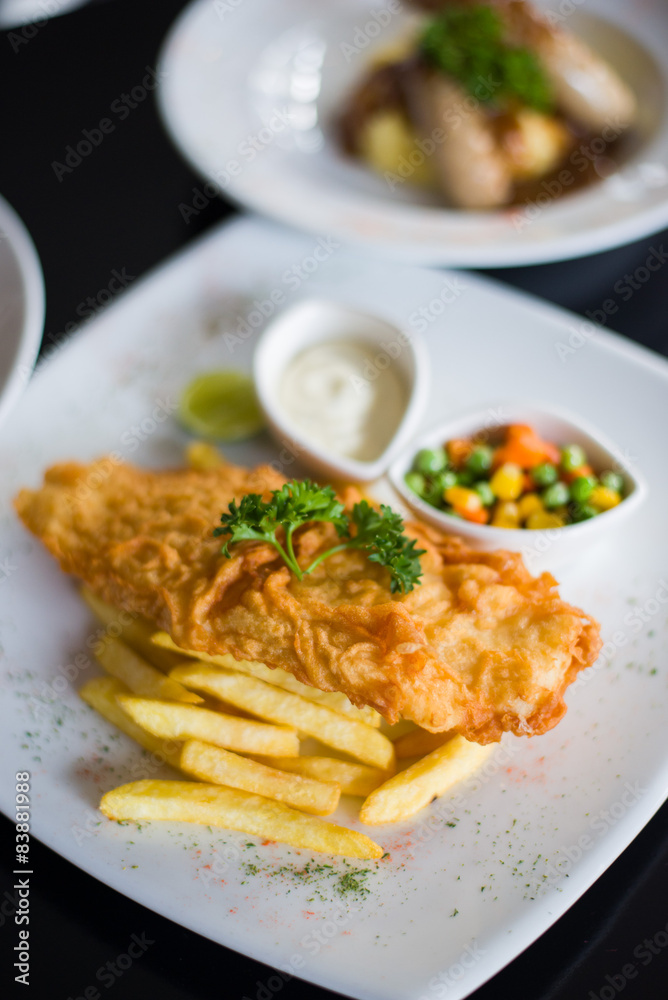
[{"x": 119, "y": 209}]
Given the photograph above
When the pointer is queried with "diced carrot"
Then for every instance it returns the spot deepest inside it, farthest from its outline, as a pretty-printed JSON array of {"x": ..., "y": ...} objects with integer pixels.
[
  {"x": 583, "y": 470},
  {"x": 458, "y": 451},
  {"x": 477, "y": 516},
  {"x": 519, "y": 431},
  {"x": 525, "y": 448}
]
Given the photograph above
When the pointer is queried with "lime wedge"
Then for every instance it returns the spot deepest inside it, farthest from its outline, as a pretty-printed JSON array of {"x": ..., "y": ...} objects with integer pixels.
[{"x": 221, "y": 405}]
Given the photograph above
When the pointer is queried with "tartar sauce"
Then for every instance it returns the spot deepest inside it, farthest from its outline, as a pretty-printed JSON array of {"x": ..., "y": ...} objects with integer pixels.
[{"x": 345, "y": 396}]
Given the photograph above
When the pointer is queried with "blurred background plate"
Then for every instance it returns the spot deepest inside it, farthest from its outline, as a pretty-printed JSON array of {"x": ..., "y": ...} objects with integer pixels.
[
  {"x": 21, "y": 307},
  {"x": 14, "y": 13},
  {"x": 249, "y": 93}
]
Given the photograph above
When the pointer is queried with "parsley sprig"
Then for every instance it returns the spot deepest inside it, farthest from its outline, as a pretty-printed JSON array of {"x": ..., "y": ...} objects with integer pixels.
[
  {"x": 378, "y": 533},
  {"x": 467, "y": 43}
]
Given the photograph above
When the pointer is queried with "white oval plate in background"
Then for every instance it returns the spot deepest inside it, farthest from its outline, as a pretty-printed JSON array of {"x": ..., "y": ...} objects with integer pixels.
[
  {"x": 250, "y": 93},
  {"x": 471, "y": 881},
  {"x": 21, "y": 307}
]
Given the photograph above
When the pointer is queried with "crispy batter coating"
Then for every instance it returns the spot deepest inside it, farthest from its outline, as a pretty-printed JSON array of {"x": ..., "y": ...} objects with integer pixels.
[{"x": 480, "y": 647}]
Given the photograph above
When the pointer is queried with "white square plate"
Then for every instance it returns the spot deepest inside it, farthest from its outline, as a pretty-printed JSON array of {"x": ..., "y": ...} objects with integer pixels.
[{"x": 471, "y": 881}]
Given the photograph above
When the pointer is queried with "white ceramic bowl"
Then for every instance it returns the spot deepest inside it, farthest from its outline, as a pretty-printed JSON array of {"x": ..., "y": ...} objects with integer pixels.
[
  {"x": 541, "y": 549},
  {"x": 315, "y": 321},
  {"x": 22, "y": 313}
]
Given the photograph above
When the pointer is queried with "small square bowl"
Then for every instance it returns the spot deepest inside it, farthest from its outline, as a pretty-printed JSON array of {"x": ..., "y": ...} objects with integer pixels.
[
  {"x": 316, "y": 321},
  {"x": 541, "y": 549}
]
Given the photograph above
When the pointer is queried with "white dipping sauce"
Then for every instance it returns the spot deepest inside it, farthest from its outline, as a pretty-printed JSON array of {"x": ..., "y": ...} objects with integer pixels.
[{"x": 345, "y": 396}]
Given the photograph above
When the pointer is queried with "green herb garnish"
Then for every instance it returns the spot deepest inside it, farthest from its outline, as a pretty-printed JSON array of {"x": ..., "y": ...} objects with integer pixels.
[
  {"x": 378, "y": 533},
  {"x": 467, "y": 43}
]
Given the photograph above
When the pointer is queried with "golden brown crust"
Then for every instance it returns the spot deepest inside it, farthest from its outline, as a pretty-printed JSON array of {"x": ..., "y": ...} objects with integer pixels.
[{"x": 479, "y": 647}]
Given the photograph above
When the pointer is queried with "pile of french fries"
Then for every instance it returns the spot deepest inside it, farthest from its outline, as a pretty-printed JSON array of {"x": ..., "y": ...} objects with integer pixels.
[{"x": 235, "y": 731}]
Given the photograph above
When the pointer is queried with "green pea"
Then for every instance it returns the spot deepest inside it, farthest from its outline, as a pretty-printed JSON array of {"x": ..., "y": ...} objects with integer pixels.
[
  {"x": 583, "y": 512},
  {"x": 572, "y": 457},
  {"x": 485, "y": 492},
  {"x": 555, "y": 495},
  {"x": 429, "y": 461},
  {"x": 544, "y": 474},
  {"x": 432, "y": 494},
  {"x": 612, "y": 480},
  {"x": 581, "y": 488},
  {"x": 416, "y": 482},
  {"x": 444, "y": 480},
  {"x": 465, "y": 478},
  {"x": 480, "y": 460}
]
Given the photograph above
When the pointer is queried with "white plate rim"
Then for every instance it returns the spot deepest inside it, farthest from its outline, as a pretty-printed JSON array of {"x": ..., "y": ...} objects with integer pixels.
[{"x": 30, "y": 338}]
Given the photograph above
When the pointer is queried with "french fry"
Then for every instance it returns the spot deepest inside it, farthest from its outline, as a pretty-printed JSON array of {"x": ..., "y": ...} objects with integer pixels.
[
  {"x": 175, "y": 721},
  {"x": 233, "y": 809},
  {"x": 410, "y": 790},
  {"x": 128, "y": 666},
  {"x": 279, "y": 706},
  {"x": 101, "y": 693},
  {"x": 221, "y": 767},
  {"x": 419, "y": 742},
  {"x": 203, "y": 456},
  {"x": 353, "y": 779},
  {"x": 133, "y": 629},
  {"x": 335, "y": 700}
]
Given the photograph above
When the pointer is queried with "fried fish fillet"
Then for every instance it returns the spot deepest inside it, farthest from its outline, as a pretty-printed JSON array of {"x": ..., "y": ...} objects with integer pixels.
[{"x": 479, "y": 647}]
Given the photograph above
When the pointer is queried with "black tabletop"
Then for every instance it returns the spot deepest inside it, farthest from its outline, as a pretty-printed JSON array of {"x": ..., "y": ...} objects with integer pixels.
[{"x": 117, "y": 211}]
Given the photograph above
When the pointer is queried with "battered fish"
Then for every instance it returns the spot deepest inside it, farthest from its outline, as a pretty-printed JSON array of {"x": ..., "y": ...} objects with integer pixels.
[{"x": 479, "y": 647}]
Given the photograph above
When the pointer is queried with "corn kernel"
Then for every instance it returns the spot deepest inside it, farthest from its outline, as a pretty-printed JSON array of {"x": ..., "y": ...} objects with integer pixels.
[
  {"x": 542, "y": 519},
  {"x": 203, "y": 456},
  {"x": 506, "y": 515},
  {"x": 507, "y": 482},
  {"x": 463, "y": 499},
  {"x": 604, "y": 498},
  {"x": 529, "y": 504}
]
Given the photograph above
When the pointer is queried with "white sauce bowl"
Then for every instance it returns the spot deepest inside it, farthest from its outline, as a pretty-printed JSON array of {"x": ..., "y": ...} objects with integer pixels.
[{"x": 317, "y": 321}]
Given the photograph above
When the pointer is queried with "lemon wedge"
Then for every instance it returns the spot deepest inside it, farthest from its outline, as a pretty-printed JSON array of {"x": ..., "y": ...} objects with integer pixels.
[{"x": 221, "y": 405}]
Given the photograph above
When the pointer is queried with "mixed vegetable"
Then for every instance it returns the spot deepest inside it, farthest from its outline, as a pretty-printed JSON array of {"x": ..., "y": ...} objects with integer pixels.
[{"x": 521, "y": 481}]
